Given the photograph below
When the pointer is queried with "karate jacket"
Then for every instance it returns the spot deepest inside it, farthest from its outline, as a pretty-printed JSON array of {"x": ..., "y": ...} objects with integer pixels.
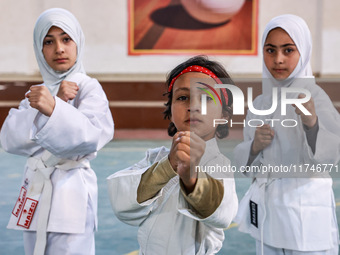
[
  {"x": 296, "y": 209},
  {"x": 74, "y": 132},
  {"x": 167, "y": 224}
]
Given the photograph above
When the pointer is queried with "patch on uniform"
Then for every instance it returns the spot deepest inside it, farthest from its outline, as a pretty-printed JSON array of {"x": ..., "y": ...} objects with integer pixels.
[
  {"x": 27, "y": 213},
  {"x": 20, "y": 202},
  {"x": 253, "y": 213}
]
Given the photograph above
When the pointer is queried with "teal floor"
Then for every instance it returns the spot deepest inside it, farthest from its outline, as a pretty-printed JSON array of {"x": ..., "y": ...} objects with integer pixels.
[{"x": 113, "y": 237}]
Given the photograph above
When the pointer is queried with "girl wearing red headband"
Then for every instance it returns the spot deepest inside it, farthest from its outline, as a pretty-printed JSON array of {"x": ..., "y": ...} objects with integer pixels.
[
  {"x": 179, "y": 206},
  {"x": 214, "y": 70}
]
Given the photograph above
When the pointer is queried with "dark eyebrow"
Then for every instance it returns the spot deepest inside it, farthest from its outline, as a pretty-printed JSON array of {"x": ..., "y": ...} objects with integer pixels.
[
  {"x": 270, "y": 45},
  {"x": 281, "y": 46},
  {"x": 63, "y": 33},
  {"x": 184, "y": 89},
  {"x": 287, "y": 44}
]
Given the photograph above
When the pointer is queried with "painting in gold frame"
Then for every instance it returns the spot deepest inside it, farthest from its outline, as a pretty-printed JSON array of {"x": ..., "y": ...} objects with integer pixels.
[{"x": 170, "y": 27}]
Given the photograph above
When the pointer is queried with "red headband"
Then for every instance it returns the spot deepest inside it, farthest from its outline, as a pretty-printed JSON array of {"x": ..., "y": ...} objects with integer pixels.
[{"x": 201, "y": 69}]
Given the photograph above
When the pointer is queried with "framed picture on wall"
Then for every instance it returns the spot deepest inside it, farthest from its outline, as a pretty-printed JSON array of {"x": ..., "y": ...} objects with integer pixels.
[{"x": 228, "y": 27}]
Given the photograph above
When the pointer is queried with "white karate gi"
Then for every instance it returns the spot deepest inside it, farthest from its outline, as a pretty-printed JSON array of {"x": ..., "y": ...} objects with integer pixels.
[
  {"x": 292, "y": 213},
  {"x": 73, "y": 134},
  {"x": 166, "y": 223},
  {"x": 75, "y": 130}
]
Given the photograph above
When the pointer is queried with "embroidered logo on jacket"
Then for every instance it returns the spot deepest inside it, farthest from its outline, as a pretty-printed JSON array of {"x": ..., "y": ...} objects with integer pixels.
[
  {"x": 253, "y": 213},
  {"x": 20, "y": 202},
  {"x": 27, "y": 213}
]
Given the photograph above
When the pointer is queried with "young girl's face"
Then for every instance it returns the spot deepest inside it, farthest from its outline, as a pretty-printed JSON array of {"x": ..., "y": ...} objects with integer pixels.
[
  {"x": 280, "y": 54},
  {"x": 59, "y": 50},
  {"x": 186, "y": 105}
]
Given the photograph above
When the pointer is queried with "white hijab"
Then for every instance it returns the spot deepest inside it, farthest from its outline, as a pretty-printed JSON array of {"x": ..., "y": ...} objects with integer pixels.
[
  {"x": 288, "y": 145},
  {"x": 68, "y": 23},
  {"x": 299, "y": 32},
  {"x": 281, "y": 150}
]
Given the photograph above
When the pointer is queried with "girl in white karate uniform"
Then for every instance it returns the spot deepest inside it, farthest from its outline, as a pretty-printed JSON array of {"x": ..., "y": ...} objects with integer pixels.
[
  {"x": 290, "y": 212},
  {"x": 180, "y": 210},
  {"x": 60, "y": 126}
]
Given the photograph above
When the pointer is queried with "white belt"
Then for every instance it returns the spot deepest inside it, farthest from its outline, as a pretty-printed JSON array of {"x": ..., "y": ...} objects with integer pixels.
[{"x": 42, "y": 184}]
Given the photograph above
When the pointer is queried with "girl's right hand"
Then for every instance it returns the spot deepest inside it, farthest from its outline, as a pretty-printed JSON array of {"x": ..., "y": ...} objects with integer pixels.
[
  {"x": 186, "y": 151},
  {"x": 263, "y": 138},
  {"x": 41, "y": 99},
  {"x": 67, "y": 90}
]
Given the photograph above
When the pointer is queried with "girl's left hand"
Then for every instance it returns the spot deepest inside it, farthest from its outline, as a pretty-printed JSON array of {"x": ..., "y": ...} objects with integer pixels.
[
  {"x": 307, "y": 120},
  {"x": 41, "y": 99},
  {"x": 67, "y": 90}
]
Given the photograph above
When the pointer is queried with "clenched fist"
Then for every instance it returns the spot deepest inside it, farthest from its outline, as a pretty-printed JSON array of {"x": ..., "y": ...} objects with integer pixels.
[
  {"x": 263, "y": 137},
  {"x": 67, "y": 90},
  {"x": 41, "y": 99},
  {"x": 307, "y": 120},
  {"x": 186, "y": 151}
]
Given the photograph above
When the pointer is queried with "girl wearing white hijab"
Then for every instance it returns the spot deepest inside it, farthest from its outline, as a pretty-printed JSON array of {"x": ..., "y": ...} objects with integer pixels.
[
  {"x": 287, "y": 213},
  {"x": 60, "y": 126}
]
